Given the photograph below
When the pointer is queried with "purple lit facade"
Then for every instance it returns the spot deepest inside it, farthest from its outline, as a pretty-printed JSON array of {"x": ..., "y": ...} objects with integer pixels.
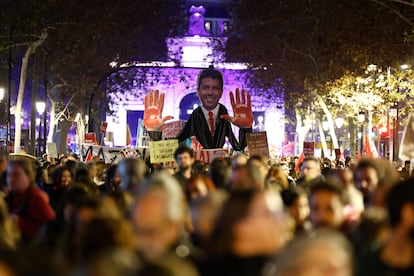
[{"x": 177, "y": 79}]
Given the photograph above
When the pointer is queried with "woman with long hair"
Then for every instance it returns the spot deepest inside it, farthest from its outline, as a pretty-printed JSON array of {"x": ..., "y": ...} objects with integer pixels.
[
  {"x": 28, "y": 205},
  {"x": 61, "y": 181}
]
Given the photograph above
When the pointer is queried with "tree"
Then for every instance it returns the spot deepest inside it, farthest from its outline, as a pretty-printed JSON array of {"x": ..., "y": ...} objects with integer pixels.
[
  {"x": 308, "y": 43},
  {"x": 372, "y": 91},
  {"x": 83, "y": 38}
]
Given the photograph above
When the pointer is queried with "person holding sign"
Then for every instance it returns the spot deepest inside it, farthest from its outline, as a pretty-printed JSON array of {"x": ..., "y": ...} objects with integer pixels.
[{"x": 210, "y": 123}]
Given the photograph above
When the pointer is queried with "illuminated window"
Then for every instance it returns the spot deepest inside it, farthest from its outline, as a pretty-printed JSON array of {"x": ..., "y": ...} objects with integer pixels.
[
  {"x": 207, "y": 26},
  {"x": 225, "y": 26}
]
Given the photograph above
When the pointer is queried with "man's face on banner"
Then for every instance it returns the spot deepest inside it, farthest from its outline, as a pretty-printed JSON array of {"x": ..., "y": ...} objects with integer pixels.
[{"x": 209, "y": 93}]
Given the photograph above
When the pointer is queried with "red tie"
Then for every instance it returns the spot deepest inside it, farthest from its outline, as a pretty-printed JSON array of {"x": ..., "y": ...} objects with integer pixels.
[{"x": 211, "y": 121}]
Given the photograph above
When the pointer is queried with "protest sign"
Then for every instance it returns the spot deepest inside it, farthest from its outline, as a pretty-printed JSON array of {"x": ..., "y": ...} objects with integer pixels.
[
  {"x": 90, "y": 138},
  {"x": 309, "y": 148},
  {"x": 162, "y": 151},
  {"x": 257, "y": 143},
  {"x": 142, "y": 135},
  {"x": 52, "y": 150}
]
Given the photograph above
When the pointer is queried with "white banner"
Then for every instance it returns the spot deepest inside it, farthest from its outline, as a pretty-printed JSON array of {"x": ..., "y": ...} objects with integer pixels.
[{"x": 111, "y": 155}]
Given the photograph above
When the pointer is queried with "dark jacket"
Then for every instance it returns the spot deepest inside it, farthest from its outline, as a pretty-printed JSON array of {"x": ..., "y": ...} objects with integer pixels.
[{"x": 197, "y": 126}]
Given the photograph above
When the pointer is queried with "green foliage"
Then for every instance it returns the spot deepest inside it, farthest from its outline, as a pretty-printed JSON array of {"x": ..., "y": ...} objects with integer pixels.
[
  {"x": 307, "y": 43},
  {"x": 374, "y": 89}
]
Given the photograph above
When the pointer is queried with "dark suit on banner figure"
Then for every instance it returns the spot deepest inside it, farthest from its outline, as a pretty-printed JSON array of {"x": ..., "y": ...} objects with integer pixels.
[{"x": 210, "y": 123}]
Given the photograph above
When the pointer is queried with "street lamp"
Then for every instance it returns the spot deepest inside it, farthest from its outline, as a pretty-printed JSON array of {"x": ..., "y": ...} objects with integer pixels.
[
  {"x": 2, "y": 92},
  {"x": 339, "y": 122},
  {"x": 361, "y": 120},
  {"x": 40, "y": 107}
]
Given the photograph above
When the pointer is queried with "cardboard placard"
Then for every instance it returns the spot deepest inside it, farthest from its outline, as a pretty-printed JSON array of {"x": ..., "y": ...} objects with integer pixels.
[
  {"x": 257, "y": 143},
  {"x": 52, "y": 150},
  {"x": 90, "y": 138},
  {"x": 309, "y": 148},
  {"x": 104, "y": 126},
  {"x": 172, "y": 129},
  {"x": 162, "y": 151}
]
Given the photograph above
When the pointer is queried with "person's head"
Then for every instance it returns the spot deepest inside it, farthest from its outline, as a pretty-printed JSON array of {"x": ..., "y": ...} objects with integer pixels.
[
  {"x": 259, "y": 163},
  {"x": 91, "y": 168},
  {"x": 209, "y": 88},
  {"x": 62, "y": 177},
  {"x": 184, "y": 156},
  {"x": 277, "y": 178},
  {"x": 251, "y": 223},
  {"x": 4, "y": 160},
  {"x": 374, "y": 177},
  {"x": 400, "y": 206},
  {"x": 198, "y": 186},
  {"x": 310, "y": 168},
  {"x": 100, "y": 169},
  {"x": 285, "y": 168},
  {"x": 367, "y": 174},
  {"x": 297, "y": 204},
  {"x": 238, "y": 160},
  {"x": 132, "y": 172},
  {"x": 346, "y": 176},
  {"x": 326, "y": 205},
  {"x": 323, "y": 253},
  {"x": 220, "y": 172},
  {"x": 158, "y": 216},
  {"x": 20, "y": 175},
  {"x": 246, "y": 177},
  {"x": 112, "y": 176}
]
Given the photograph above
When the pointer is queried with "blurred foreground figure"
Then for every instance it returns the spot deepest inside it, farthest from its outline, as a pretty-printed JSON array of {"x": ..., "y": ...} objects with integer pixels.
[
  {"x": 396, "y": 255},
  {"x": 158, "y": 216},
  {"x": 374, "y": 178},
  {"x": 322, "y": 253},
  {"x": 250, "y": 230},
  {"x": 28, "y": 205}
]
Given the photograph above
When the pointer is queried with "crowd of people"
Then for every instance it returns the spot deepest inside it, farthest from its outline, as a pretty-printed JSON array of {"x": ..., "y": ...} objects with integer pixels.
[{"x": 238, "y": 215}]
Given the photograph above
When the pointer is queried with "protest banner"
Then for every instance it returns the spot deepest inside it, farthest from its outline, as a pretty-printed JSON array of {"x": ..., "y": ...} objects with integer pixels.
[
  {"x": 257, "y": 143},
  {"x": 111, "y": 155},
  {"x": 208, "y": 155},
  {"x": 162, "y": 151}
]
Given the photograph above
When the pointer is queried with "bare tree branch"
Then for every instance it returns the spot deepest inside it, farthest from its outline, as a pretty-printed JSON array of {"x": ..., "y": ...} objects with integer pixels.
[{"x": 394, "y": 10}]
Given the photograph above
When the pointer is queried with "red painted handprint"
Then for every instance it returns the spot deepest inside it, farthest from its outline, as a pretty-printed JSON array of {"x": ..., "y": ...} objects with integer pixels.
[
  {"x": 154, "y": 104},
  {"x": 242, "y": 110}
]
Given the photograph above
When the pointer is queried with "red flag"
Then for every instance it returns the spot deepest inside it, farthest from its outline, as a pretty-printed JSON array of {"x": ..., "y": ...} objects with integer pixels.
[
  {"x": 369, "y": 148},
  {"x": 300, "y": 160}
]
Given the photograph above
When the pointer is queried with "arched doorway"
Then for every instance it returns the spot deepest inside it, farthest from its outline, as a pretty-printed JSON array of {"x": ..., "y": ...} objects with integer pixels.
[{"x": 188, "y": 103}]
